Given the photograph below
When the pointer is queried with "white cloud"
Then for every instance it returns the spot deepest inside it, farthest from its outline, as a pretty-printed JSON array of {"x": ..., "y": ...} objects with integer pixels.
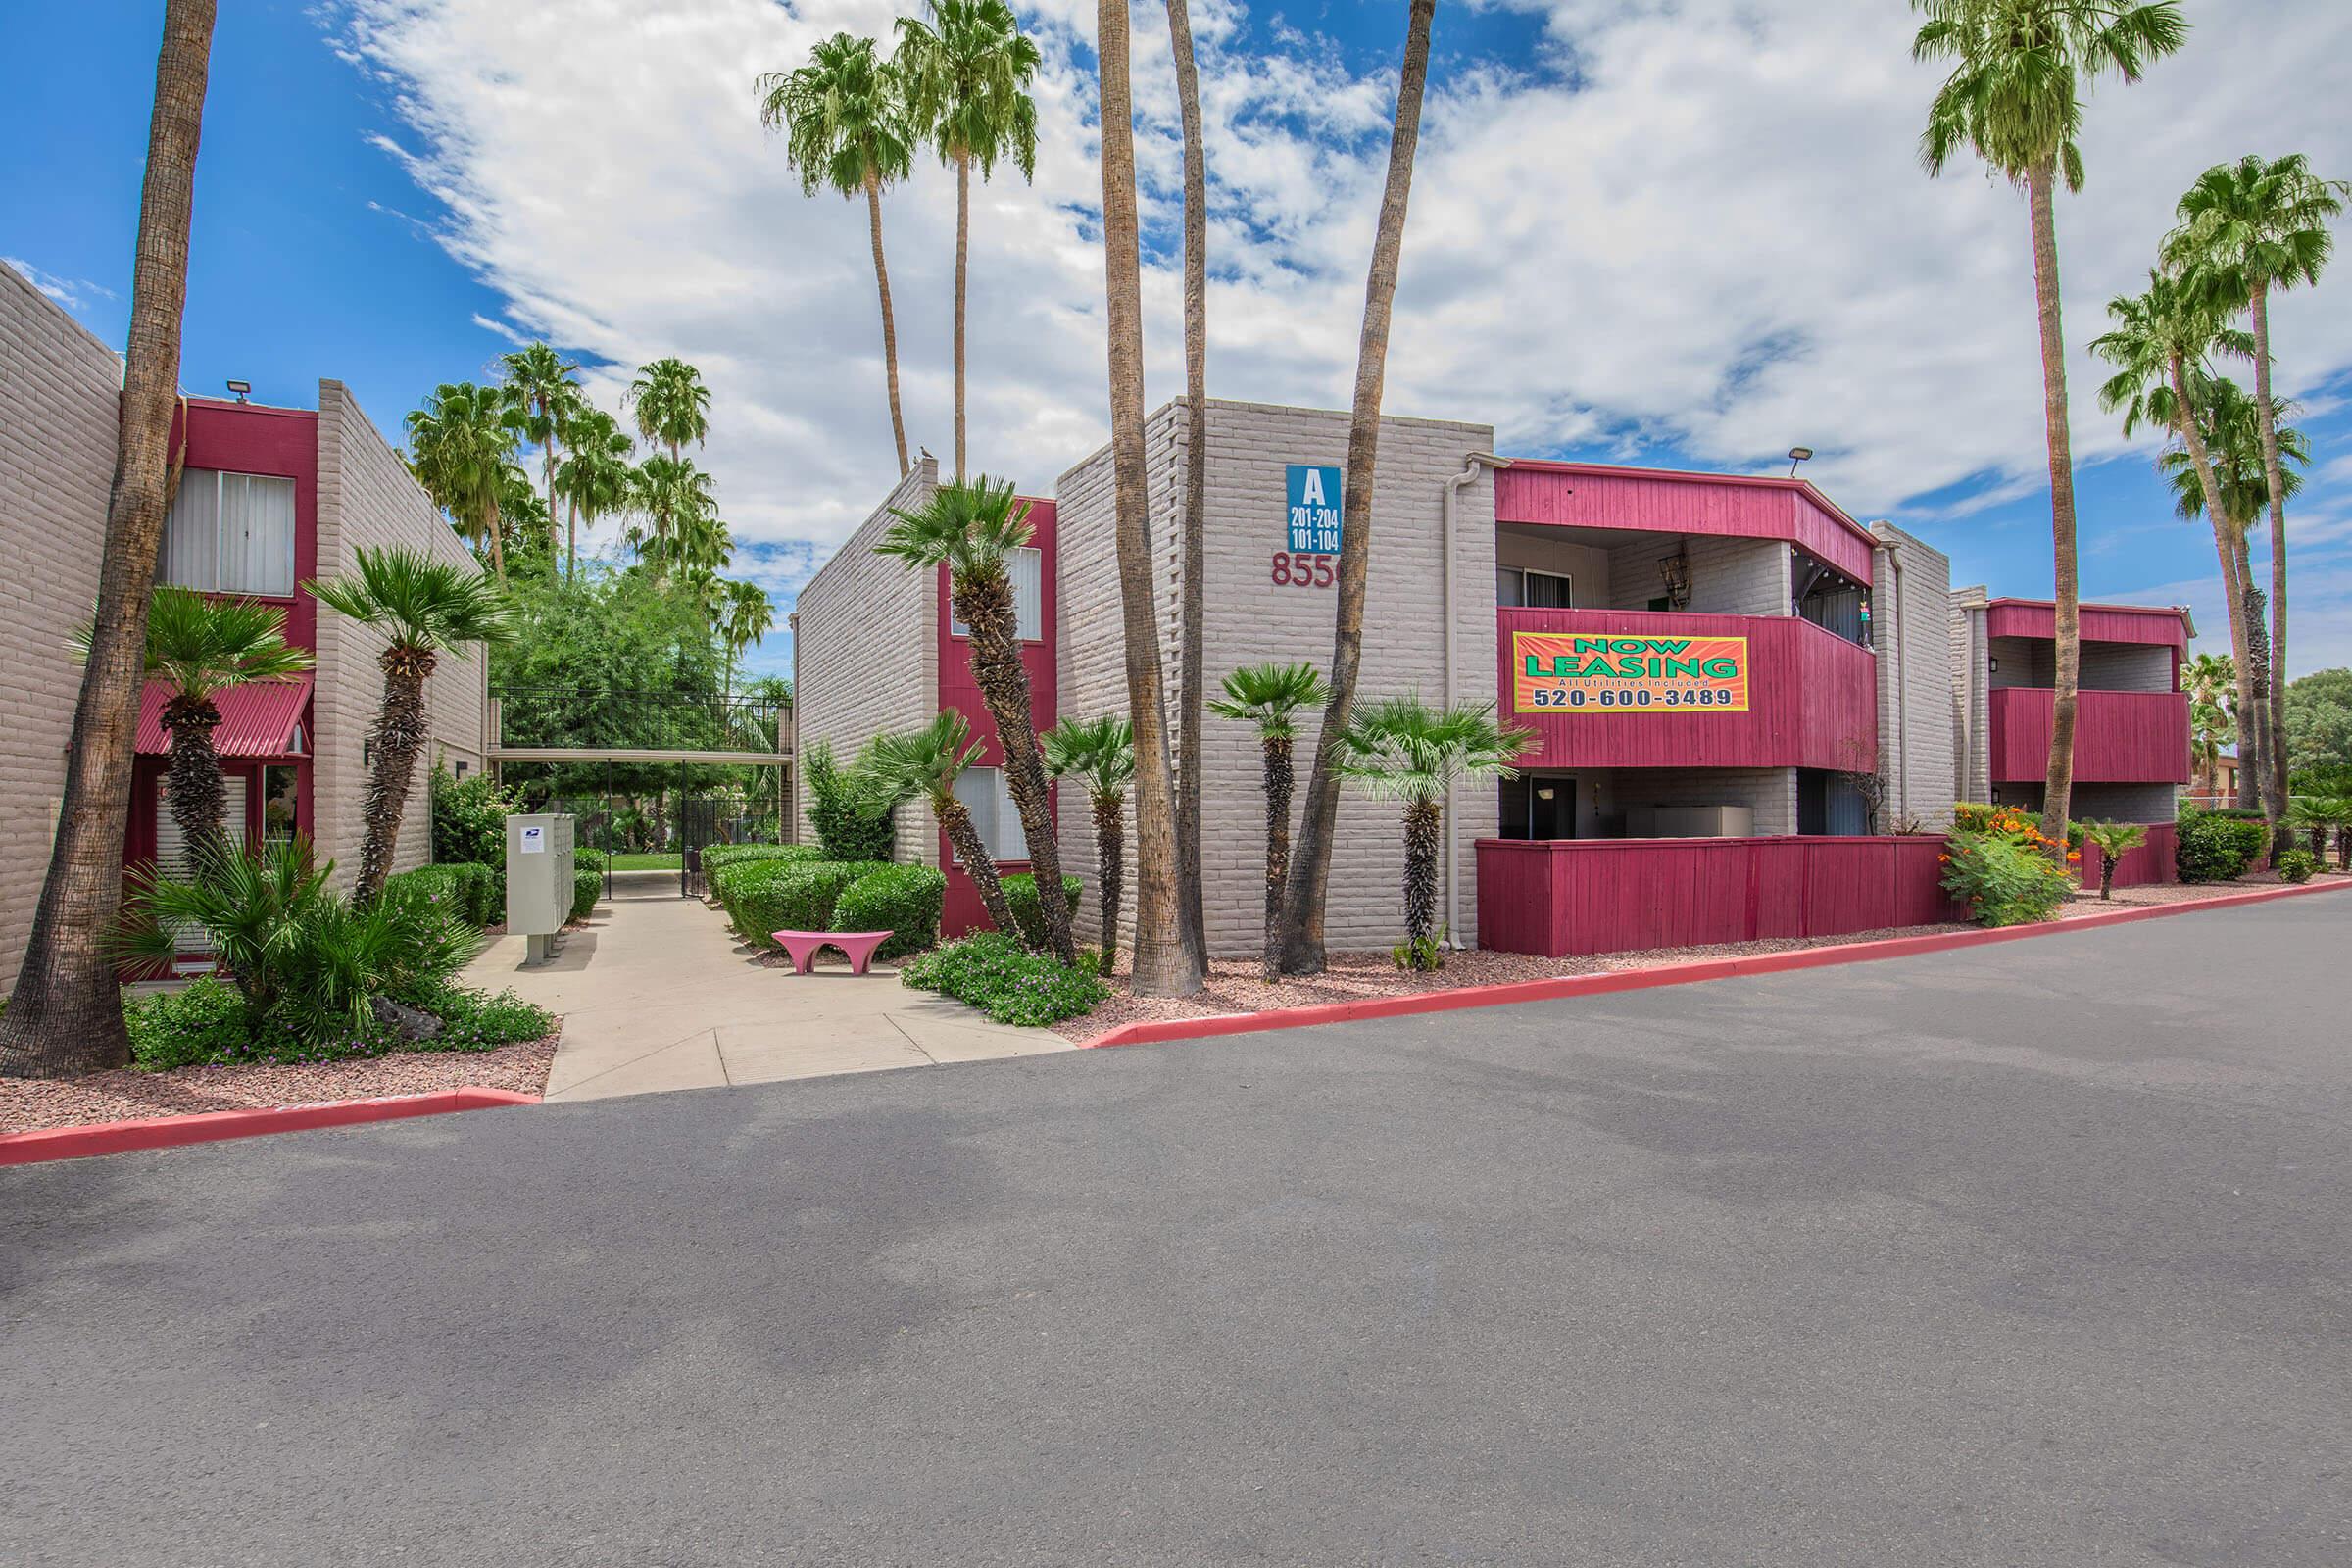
[
  {"x": 73, "y": 293},
  {"x": 1712, "y": 232}
]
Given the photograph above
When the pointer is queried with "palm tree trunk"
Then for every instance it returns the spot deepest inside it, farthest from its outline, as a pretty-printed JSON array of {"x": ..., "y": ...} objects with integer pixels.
[
  {"x": 1110, "y": 872},
  {"x": 963, "y": 250},
  {"x": 399, "y": 735},
  {"x": 1192, "y": 610},
  {"x": 66, "y": 1014},
  {"x": 890, "y": 325},
  {"x": 193, "y": 789},
  {"x": 2266, "y": 414},
  {"x": 2253, "y": 682},
  {"x": 571, "y": 542},
  {"x": 956, "y": 820},
  {"x": 1280, "y": 777},
  {"x": 547, "y": 468},
  {"x": 1424, "y": 821},
  {"x": 2192, "y": 436},
  {"x": 498, "y": 546},
  {"x": 1164, "y": 966},
  {"x": 2058, "y": 788},
  {"x": 1310, "y": 871},
  {"x": 985, "y": 606}
]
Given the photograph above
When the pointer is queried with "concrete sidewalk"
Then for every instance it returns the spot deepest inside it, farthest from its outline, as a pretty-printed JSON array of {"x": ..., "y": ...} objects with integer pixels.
[{"x": 657, "y": 994}]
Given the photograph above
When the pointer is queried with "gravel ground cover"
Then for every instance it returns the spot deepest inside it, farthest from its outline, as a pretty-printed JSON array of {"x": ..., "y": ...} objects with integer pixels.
[
  {"x": 1236, "y": 985},
  {"x": 127, "y": 1094}
]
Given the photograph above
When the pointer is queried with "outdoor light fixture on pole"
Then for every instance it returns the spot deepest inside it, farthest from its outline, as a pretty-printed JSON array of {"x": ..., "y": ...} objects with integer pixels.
[
  {"x": 1797, "y": 454},
  {"x": 243, "y": 390}
]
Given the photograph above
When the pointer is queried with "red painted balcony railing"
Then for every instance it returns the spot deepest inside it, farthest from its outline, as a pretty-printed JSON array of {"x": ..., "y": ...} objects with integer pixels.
[
  {"x": 2120, "y": 737},
  {"x": 1575, "y": 896},
  {"x": 1813, "y": 698}
]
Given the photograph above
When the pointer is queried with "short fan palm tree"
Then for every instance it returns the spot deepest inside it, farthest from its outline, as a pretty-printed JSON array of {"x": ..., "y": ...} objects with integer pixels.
[
  {"x": 673, "y": 405},
  {"x": 423, "y": 608},
  {"x": 1270, "y": 697},
  {"x": 845, "y": 129},
  {"x": 2015, "y": 98},
  {"x": 967, "y": 73},
  {"x": 200, "y": 647},
  {"x": 972, "y": 529},
  {"x": 2115, "y": 840},
  {"x": 540, "y": 381},
  {"x": 1100, "y": 753},
  {"x": 2249, "y": 229},
  {"x": 1401, "y": 749},
  {"x": 595, "y": 480},
  {"x": 905, "y": 763},
  {"x": 461, "y": 451}
]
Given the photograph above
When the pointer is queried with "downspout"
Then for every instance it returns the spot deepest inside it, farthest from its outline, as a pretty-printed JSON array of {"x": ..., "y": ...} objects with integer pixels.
[{"x": 1449, "y": 507}]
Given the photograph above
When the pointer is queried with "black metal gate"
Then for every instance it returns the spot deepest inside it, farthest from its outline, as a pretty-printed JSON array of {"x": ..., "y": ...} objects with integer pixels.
[{"x": 699, "y": 817}]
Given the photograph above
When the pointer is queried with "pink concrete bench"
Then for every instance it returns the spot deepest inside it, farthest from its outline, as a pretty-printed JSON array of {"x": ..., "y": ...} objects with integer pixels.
[{"x": 859, "y": 947}]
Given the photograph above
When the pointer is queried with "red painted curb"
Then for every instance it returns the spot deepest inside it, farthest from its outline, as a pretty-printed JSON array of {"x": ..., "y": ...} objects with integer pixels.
[
  {"x": 1156, "y": 1030},
  {"x": 211, "y": 1126}
]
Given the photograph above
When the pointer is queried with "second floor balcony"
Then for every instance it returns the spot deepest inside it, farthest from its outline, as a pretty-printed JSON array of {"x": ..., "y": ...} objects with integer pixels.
[
  {"x": 1618, "y": 688},
  {"x": 2120, "y": 737}
]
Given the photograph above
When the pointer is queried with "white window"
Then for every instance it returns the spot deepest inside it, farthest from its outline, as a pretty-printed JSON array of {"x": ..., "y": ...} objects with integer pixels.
[
  {"x": 173, "y": 860},
  {"x": 1027, "y": 570},
  {"x": 1519, "y": 588},
  {"x": 985, "y": 793},
  {"x": 230, "y": 533}
]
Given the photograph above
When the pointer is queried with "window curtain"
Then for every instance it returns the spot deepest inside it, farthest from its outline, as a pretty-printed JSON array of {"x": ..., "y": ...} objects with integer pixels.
[
  {"x": 230, "y": 533},
  {"x": 1026, "y": 569},
  {"x": 985, "y": 793},
  {"x": 190, "y": 555}
]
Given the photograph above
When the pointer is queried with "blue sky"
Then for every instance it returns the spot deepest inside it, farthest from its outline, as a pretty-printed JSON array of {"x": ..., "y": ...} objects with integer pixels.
[{"x": 1640, "y": 234}]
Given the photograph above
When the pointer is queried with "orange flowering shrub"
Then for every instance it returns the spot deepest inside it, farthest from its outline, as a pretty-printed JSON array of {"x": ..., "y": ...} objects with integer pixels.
[{"x": 1999, "y": 862}]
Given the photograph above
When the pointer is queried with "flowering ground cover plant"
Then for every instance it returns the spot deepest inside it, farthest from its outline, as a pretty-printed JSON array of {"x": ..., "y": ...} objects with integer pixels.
[{"x": 996, "y": 975}]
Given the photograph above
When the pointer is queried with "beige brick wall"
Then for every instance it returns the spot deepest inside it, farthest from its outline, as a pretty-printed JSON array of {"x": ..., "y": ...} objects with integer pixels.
[
  {"x": 59, "y": 389},
  {"x": 865, "y": 656},
  {"x": 1728, "y": 577},
  {"x": 1911, "y": 625},
  {"x": 367, "y": 499},
  {"x": 1970, "y": 704},
  {"x": 1251, "y": 620}
]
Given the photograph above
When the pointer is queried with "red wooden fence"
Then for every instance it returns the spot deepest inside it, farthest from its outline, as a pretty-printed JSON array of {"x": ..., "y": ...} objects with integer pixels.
[
  {"x": 2120, "y": 737},
  {"x": 2151, "y": 863},
  {"x": 1580, "y": 895}
]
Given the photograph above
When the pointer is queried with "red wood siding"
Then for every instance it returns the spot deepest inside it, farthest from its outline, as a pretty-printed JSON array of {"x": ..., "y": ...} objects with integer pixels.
[
  {"x": 1565, "y": 897},
  {"x": 2154, "y": 862},
  {"x": 2101, "y": 623},
  {"x": 1813, "y": 698},
  {"x": 957, "y": 690},
  {"x": 248, "y": 438},
  {"x": 1583, "y": 495},
  {"x": 2120, "y": 737}
]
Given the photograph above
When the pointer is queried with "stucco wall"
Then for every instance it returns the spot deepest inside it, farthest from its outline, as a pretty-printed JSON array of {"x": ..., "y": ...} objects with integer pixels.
[
  {"x": 58, "y": 394},
  {"x": 1251, "y": 620},
  {"x": 1729, "y": 576},
  {"x": 1911, "y": 625},
  {"x": 865, "y": 656},
  {"x": 367, "y": 499},
  {"x": 1551, "y": 550}
]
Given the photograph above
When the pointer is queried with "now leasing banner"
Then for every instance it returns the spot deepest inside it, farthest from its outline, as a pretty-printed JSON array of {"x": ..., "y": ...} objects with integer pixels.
[{"x": 1557, "y": 671}]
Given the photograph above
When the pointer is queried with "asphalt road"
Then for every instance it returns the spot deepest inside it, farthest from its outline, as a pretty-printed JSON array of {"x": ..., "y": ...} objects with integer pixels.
[{"x": 2028, "y": 1254}]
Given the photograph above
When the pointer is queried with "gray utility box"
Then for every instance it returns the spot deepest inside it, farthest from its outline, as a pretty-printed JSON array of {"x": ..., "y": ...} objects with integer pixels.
[{"x": 538, "y": 881}]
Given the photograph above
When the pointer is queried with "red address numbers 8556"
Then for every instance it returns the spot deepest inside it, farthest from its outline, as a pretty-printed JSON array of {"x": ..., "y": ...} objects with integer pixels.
[{"x": 1302, "y": 571}]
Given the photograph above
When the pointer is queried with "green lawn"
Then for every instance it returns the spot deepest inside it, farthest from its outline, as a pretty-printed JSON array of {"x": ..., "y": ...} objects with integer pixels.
[{"x": 645, "y": 860}]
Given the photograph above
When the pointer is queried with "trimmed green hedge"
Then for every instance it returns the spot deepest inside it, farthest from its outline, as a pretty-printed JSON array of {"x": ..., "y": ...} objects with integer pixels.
[
  {"x": 1020, "y": 892},
  {"x": 902, "y": 899},
  {"x": 721, "y": 861},
  {"x": 990, "y": 973},
  {"x": 768, "y": 896},
  {"x": 2218, "y": 846},
  {"x": 478, "y": 893},
  {"x": 586, "y": 888}
]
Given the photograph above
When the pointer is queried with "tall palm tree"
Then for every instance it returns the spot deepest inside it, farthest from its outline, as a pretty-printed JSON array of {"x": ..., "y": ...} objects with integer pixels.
[
  {"x": 2015, "y": 98},
  {"x": 674, "y": 498},
  {"x": 967, "y": 75},
  {"x": 2161, "y": 344},
  {"x": 201, "y": 647},
  {"x": 1191, "y": 531},
  {"x": 540, "y": 381},
  {"x": 1401, "y": 749},
  {"x": 425, "y": 606},
  {"x": 1101, "y": 754},
  {"x": 927, "y": 762},
  {"x": 673, "y": 405},
  {"x": 66, "y": 1014},
  {"x": 972, "y": 528},
  {"x": 2249, "y": 228},
  {"x": 2211, "y": 682},
  {"x": 746, "y": 615},
  {"x": 2231, "y": 431},
  {"x": 1310, "y": 873},
  {"x": 1271, "y": 696},
  {"x": 1164, "y": 965},
  {"x": 594, "y": 478},
  {"x": 461, "y": 449},
  {"x": 845, "y": 129}
]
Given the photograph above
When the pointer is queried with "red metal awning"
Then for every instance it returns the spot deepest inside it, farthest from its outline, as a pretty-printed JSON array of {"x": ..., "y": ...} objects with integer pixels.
[{"x": 262, "y": 719}]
